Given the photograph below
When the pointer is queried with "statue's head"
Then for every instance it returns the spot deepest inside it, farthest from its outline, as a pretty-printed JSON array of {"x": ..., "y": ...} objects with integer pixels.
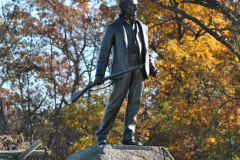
[{"x": 128, "y": 7}]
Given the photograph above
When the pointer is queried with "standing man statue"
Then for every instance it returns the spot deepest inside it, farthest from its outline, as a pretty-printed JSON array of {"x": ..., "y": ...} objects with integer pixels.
[{"x": 128, "y": 39}]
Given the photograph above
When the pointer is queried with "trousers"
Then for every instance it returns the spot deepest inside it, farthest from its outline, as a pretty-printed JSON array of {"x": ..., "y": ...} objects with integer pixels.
[{"x": 130, "y": 86}]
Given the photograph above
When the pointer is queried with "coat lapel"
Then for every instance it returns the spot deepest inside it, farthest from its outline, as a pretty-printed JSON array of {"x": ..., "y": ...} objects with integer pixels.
[
  {"x": 144, "y": 55},
  {"x": 122, "y": 31},
  {"x": 139, "y": 39},
  {"x": 144, "y": 34},
  {"x": 144, "y": 40}
]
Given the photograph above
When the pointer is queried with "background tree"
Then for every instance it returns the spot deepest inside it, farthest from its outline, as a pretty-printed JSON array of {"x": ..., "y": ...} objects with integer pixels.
[
  {"x": 49, "y": 49},
  {"x": 195, "y": 104}
]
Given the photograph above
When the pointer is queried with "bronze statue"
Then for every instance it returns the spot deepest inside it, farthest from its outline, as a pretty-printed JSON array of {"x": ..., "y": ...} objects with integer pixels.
[{"x": 127, "y": 37}]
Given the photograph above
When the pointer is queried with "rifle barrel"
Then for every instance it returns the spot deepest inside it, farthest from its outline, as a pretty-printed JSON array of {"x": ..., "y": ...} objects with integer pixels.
[{"x": 78, "y": 94}]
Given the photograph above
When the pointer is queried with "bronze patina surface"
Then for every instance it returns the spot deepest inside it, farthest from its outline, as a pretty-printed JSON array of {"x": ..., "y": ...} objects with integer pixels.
[{"x": 127, "y": 38}]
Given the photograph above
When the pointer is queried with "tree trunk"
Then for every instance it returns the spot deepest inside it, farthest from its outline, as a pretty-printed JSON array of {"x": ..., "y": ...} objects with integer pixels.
[{"x": 2, "y": 119}]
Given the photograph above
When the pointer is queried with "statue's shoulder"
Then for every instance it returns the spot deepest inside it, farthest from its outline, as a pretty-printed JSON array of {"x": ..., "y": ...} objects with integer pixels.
[
  {"x": 144, "y": 26},
  {"x": 114, "y": 23}
]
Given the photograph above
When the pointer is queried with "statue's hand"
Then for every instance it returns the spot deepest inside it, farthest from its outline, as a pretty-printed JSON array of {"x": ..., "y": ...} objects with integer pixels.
[
  {"x": 154, "y": 72},
  {"x": 98, "y": 79}
]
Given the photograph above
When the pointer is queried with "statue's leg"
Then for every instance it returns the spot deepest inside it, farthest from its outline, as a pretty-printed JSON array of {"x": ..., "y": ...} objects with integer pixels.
[
  {"x": 133, "y": 105},
  {"x": 117, "y": 96}
]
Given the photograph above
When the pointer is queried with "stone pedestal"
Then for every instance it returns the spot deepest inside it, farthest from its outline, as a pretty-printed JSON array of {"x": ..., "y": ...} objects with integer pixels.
[{"x": 122, "y": 152}]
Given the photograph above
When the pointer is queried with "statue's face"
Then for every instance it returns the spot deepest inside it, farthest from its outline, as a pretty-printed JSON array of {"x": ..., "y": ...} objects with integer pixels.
[{"x": 131, "y": 9}]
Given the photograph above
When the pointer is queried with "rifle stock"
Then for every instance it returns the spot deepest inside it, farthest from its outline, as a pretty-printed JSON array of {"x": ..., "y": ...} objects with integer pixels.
[
  {"x": 91, "y": 84},
  {"x": 77, "y": 95}
]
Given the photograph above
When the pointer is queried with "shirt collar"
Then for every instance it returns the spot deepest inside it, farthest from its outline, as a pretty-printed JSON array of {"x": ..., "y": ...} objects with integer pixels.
[{"x": 124, "y": 20}]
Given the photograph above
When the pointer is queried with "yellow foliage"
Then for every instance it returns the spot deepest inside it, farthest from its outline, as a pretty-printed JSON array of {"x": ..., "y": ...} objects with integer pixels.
[{"x": 187, "y": 93}]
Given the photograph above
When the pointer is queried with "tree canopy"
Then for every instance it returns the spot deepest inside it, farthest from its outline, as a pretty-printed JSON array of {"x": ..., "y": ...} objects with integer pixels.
[{"x": 49, "y": 50}]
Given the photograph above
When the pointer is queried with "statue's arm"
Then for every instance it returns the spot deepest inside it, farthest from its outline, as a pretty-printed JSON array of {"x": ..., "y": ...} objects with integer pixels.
[
  {"x": 153, "y": 70},
  {"x": 151, "y": 63},
  {"x": 105, "y": 50}
]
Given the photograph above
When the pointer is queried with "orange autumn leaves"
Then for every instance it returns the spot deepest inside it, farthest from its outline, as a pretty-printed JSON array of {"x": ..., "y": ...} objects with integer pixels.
[
  {"x": 191, "y": 107},
  {"x": 194, "y": 88}
]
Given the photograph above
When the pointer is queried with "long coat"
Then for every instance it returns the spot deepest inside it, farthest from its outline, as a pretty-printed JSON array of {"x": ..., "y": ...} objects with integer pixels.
[{"x": 116, "y": 37}]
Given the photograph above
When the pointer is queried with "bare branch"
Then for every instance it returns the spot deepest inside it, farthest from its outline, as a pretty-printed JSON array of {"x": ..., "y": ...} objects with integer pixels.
[
  {"x": 204, "y": 27},
  {"x": 32, "y": 113},
  {"x": 158, "y": 24},
  {"x": 223, "y": 89}
]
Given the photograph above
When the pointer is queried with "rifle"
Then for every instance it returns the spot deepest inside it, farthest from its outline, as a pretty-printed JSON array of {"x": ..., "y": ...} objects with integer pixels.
[{"x": 91, "y": 84}]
